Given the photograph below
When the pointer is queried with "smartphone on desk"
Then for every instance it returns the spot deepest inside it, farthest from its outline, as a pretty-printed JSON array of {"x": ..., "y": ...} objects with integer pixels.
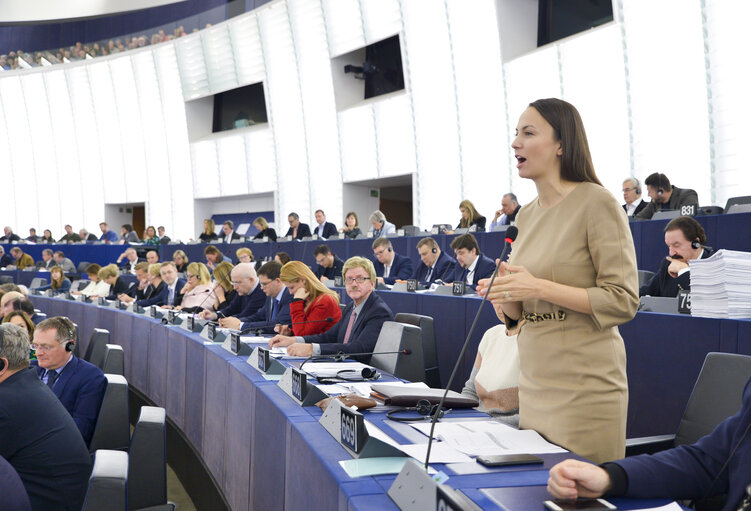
[
  {"x": 501, "y": 460},
  {"x": 571, "y": 505}
]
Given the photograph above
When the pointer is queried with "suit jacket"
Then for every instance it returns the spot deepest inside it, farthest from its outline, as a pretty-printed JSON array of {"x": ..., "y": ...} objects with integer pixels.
[
  {"x": 47, "y": 264},
  {"x": 120, "y": 287},
  {"x": 639, "y": 208},
  {"x": 401, "y": 268},
  {"x": 678, "y": 199},
  {"x": 662, "y": 284},
  {"x": 67, "y": 265},
  {"x": 262, "y": 320},
  {"x": 35, "y": 426},
  {"x": 24, "y": 261},
  {"x": 441, "y": 265},
  {"x": 64, "y": 286},
  {"x": 479, "y": 222},
  {"x": 12, "y": 237},
  {"x": 303, "y": 231},
  {"x": 207, "y": 237},
  {"x": 483, "y": 269},
  {"x": 388, "y": 228},
  {"x": 157, "y": 296},
  {"x": 131, "y": 237},
  {"x": 5, "y": 260},
  {"x": 14, "y": 494},
  {"x": 244, "y": 306},
  {"x": 71, "y": 237},
  {"x": 364, "y": 333},
  {"x": 178, "y": 298},
  {"x": 330, "y": 273},
  {"x": 233, "y": 236},
  {"x": 268, "y": 232},
  {"x": 329, "y": 230},
  {"x": 126, "y": 265},
  {"x": 80, "y": 388},
  {"x": 689, "y": 471},
  {"x": 92, "y": 237}
]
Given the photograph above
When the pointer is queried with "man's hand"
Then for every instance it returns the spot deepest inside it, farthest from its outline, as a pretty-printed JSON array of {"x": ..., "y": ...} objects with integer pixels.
[
  {"x": 281, "y": 341},
  {"x": 324, "y": 278},
  {"x": 571, "y": 479},
  {"x": 232, "y": 323},
  {"x": 675, "y": 266},
  {"x": 125, "y": 298},
  {"x": 207, "y": 315},
  {"x": 497, "y": 215},
  {"x": 380, "y": 280},
  {"x": 283, "y": 330},
  {"x": 300, "y": 349}
]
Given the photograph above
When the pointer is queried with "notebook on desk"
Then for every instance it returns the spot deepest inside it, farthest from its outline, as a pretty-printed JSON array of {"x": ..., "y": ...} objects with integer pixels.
[{"x": 409, "y": 396}]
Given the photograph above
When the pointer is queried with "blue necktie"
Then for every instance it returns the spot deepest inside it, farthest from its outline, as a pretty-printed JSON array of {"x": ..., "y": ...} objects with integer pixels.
[
  {"x": 52, "y": 378},
  {"x": 273, "y": 308}
]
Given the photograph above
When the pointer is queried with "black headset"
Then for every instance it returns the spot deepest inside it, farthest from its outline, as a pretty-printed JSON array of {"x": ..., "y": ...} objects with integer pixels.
[
  {"x": 390, "y": 249},
  {"x": 637, "y": 186},
  {"x": 424, "y": 410},
  {"x": 434, "y": 249},
  {"x": 71, "y": 344},
  {"x": 660, "y": 190},
  {"x": 695, "y": 244},
  {"x": 366, "y": 374}
]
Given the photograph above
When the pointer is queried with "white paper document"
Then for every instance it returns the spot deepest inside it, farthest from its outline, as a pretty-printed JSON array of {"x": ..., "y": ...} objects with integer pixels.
[
  {"x": 673, "y": 506},
  {"x": 488, "y": 437}
]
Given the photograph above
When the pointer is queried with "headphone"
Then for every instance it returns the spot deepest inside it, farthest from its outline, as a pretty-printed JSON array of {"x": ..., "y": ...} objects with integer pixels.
[
  {"x": 390, "y": 249},
  {"x": 71, "y": 344},
  {"x": 660, "y": 190},
  {"x": 637, "y": 185},
  {"x": 434, "y": 249},
  {"x": 366, "y": 374},
  {"x": 423, "y": 408},
  {"x": 695, "y": 244}
]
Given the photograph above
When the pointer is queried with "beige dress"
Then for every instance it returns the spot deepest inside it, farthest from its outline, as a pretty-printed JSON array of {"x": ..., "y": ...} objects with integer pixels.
[{"x": 572, "y": 386}]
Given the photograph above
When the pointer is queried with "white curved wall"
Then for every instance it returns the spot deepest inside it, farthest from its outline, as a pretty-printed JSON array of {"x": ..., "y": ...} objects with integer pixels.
[{"x": 659, "y": 90}]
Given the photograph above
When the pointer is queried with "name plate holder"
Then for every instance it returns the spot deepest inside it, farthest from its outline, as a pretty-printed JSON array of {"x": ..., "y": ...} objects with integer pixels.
[
  {"x": 412, "y": 285},
  {"x": 234, "y": 345},
  {"x": 134, "y": 308},
  {"x": 296, "y": 385},
  {"x": 120, "y": 305},
  {"x": 684, "y": 302},
  {"x": 262, "y": 361},
  {"x": 211, "y": 333},
  {"x": 458, "y": 288},
  {"x": 102, "y": 302},
  {"x": 172, "y": 317},
  {"x": 400, "y": 287},
  {"x": 154, "y": 312},
  {"x": 444, "y": 290},
  {"x": 348, "y": 428},
  {"x": 415, "y": 490},
  {"x": 191, "y": 324},
  {"x": 69, "y": 296}
]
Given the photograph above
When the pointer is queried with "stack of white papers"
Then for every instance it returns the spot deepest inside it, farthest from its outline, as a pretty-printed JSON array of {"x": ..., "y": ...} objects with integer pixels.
[
  {"x": 721, "y": 285},
  {"x": 488, "y": 438}
]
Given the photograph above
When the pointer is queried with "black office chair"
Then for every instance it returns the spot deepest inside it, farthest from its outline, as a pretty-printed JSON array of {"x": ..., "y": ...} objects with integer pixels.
[
  {"x": 396, "y": 337},
  {"x": 97, "y": 347},
  {"x": 429, "y": 352},
  {"x": 108, "y": 482},
  {"x": 114, "y": 360},
  {"x": 411, "y": 230},
  {"x": 709, "y": 210},
  {"x": 645, "y": 276},
  {"x": 6, "y": 279},
  {"x": 716, "y": 396},
  {"x": 82, "y": 266},
  {"x": 112, "y": 430},
  {"x": 147, "y": 473},
  {"x": 738, "y": 204}
]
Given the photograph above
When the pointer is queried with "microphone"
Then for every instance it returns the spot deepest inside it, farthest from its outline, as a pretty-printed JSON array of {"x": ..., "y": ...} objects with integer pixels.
[
  {"x": 257, "y": 328},
  {"x": 511, "y": 234}
]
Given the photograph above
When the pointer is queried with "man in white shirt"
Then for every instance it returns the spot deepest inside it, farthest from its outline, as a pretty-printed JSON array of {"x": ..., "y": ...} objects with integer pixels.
[
  {"x": 632, "y": 196},
  {"x": 228, "y": 233},
  {"x": 174, "y": 284},
  {"x": 324, "y": 229},
  {"x": 47, "y": 261}
]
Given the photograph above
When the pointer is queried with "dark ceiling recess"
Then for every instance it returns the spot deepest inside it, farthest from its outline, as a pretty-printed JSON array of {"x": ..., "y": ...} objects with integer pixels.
[{"x": 557, "y": 19}]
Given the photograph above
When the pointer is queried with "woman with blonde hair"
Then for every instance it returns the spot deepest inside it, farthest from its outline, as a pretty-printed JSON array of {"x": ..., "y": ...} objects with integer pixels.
[
  {"x": 110, "y": 274},
  {"x": 58, "y": 282},
  {"x": 312, "y": 302},
  {"x": 223, "y": 289},
  {"x": 245, "y": 255},
  {"x": 198, "y": 293},
  {"x": 262, "y": 225},
  {"x": 470, "y": 216},
  {"x": 96, "y": 287},
  {"x": 208, "y": 233},
  {"x": 180, "y": 259}
]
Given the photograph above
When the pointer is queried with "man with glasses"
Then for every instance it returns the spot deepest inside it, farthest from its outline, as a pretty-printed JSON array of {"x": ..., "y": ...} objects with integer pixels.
[
  {"x": 329, "y": 266},
  {"x": 174, "y": 284},
  {"x": 390, "y": 266},
  {"x": 78, "y": 384},
  {"x": 249, "y": 299},
  {"x": 275, "y": 311},
  {"x": 37, "y": 436},
  {"x": 360, "y": 326},
  {"x": 632, "y": 196}
]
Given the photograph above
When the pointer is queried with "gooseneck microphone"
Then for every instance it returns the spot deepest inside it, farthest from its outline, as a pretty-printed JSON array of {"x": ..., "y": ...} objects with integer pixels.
[
  {"x": 258, "y": 328},
  {"x": 511, "y": 234}
]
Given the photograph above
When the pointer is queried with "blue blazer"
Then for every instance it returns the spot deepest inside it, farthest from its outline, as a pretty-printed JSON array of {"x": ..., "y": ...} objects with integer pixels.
[
  {"x": 401, "y": 268},
  {"x": 303, "y": 231},
  {"x": 65, "y": 286},
  {"x": 262, "y": 317},
  {"x": 178, "y": 298},
  {"x": 441, "y": 265},
  {"x": 157, "y": 296},
  {"x": 484, "y": 269},
  {"x": 244, "y": 306},
  {"x": 329, "y": 230},
  {"x": 364, "y": 333},
  {"x": 80, "y": 388},
  {"x": 688, "y": 471}
]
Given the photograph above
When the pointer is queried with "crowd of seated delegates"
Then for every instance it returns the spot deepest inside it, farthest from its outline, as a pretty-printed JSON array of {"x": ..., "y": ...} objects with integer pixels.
[
  {"x": 471, "y": 219},
  {"x": 471, "y": 265},
  {"x": 329, "y": 266},
  {"x": 390, "y": 266},
  {"x": 434, "y": 263},
  {"x": 249, "y": 296}
]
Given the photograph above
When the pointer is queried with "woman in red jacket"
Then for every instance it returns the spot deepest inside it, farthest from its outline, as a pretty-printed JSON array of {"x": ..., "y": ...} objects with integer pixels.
[{"x": 312, "y": 303}]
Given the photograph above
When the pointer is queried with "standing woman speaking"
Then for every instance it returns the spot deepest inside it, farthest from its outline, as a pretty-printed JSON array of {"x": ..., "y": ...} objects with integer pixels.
[{"x": 572, "y": 276}]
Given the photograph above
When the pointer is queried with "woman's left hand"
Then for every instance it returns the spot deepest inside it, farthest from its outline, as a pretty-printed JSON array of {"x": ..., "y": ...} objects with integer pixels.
[{"x": 517, "y": 285}]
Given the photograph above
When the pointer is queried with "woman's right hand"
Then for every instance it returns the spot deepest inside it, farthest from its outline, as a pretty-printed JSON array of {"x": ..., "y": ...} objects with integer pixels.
[
  {"x": 219, "y": 293},
  {"x": 301, "y": 293}
]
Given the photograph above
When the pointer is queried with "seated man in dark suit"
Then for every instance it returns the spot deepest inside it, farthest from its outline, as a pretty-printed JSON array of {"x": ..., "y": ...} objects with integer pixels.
[
  {"x": 361, "y": 322},
  {"x": 14, "y": 494},
  {"x": 5, "y": 259},
  {"x": 214, "y": 256},
  {"x": 276, "y": 309},
  {"x": 128, "y": 260},
  {"x": 329, "y": 266},
  {"x": 86, "y": 236},
  {"x": 228, "y": 233},
  {"x": 297, "y": 230},
  {"x": 434, "y": 262},
  {"x": 471, "y": 265},
  {"x": 249, "y": 299},
  {"x": 174, "y": 285},
  {"x": 37, "y": 435},
  {"x": 390, "y": 266},
  {"x": 632, "y": 195},
  {"x": 324, "y": 229},
  {"x": 47, "y": 261},
  {"x": 685, "y": 239},
  {"x": 32, "y": 237},
  {"x": 163, "y": 238},
  {"x": 9, "y": 236},
  {"x": 666, "y": 197},
  {"x": 78, "y": 384}
]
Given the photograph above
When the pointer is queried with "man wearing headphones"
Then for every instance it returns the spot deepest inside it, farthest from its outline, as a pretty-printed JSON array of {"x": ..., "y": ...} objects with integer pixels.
[
  {"x": 666, "y": 197},
  {"x": 632, "y": 196},
  {"x": 37, "y": 435},
  {"x": 389, "y": 265},
  {"x": 78, "y": 384},
  {"x": 433, "y": 261},
  {"x": 685, "y": 239}
]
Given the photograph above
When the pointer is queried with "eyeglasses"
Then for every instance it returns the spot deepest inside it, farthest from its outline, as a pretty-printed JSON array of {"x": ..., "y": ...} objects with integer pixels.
[
  {"x": 264, "y": 284},
  {"x": 628, "y": 190},
  {"x": 380, "y": 252},
  {"x": 359, "y": 280},
  {"x": 191, "y": 276},
  {"x": 42, "y": 348}
]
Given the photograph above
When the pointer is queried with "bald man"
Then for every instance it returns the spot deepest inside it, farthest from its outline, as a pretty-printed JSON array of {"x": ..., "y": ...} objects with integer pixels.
[{"x": 250, "y": 297}]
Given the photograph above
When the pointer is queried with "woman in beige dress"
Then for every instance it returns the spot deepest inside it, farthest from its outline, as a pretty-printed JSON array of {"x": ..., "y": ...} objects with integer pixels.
[{"x": 572, "y": 276}]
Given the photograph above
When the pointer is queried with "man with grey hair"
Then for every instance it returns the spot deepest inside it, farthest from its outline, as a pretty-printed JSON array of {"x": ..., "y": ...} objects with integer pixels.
[
  {"x": 250, "y": 297},
  {"x": 37, "y": 435},
  {"x": 632, "y": 196},
  {"x": 379, "y": 225},
  {"x": 507, "y": 214},
  {"x": 297, "y": 230},
  {"x": 47, "y": 262},
  {"x": 63, "y": 262}
]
